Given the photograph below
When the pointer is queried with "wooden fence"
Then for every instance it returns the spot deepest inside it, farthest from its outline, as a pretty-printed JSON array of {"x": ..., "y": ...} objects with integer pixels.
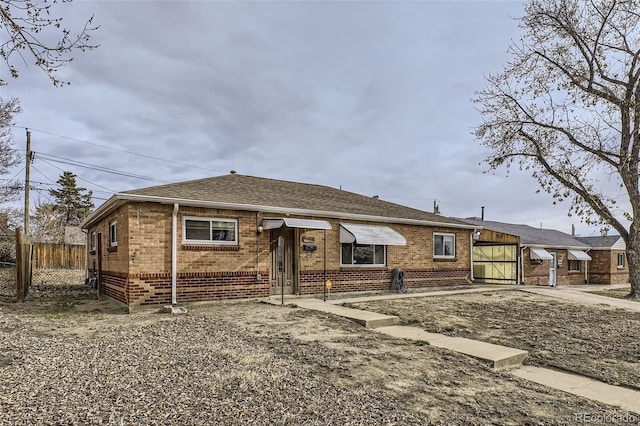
[
  {"x": 50, "y": 257},
  {"x": 58, "y": 256}
]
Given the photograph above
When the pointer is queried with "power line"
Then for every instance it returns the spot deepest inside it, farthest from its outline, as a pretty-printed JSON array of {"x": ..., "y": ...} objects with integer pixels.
[
  {"x": 118, "y": 149},
  {"x": 92, "y": 183},
  {"x": 71, "y": 162}
]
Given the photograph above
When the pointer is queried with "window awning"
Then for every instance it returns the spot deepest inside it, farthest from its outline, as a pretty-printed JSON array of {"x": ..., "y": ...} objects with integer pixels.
[
  {"x": 370, "y": 234},
  {"x": 578, "y": 255},
  {"x": 295, "y": 223},
  {"x": 539, "y": 254}
]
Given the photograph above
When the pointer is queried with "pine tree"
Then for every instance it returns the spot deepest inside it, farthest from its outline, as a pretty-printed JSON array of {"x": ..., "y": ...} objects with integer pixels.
[{"x": 70, "y": 201}]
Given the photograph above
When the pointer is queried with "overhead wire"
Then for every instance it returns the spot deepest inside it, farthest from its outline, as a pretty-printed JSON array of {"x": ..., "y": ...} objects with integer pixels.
[{"x": 116, "y": 149}]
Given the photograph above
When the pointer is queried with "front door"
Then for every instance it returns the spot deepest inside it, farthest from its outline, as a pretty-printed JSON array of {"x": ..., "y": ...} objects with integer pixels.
[
  {"x": 552, "y": 269},
  {"x": 282, "y": 270}
]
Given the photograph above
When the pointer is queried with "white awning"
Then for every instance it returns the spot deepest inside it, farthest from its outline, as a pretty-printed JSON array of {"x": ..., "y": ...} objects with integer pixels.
[
  {"x": 539, "y": 254},
  {"x": 295, "y": 223},
  {"x": 578, "y": 255},
  {"x": 370, "y": 234}
]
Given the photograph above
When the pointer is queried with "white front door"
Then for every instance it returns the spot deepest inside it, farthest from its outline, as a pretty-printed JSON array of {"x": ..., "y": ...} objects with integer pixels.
[{"x": 552, "y": 269}]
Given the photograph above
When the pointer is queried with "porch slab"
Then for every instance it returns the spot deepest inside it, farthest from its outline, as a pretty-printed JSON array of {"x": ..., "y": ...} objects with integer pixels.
[
  {"x": 497, "y": 356},
  {"x": 364, "y": 318}
]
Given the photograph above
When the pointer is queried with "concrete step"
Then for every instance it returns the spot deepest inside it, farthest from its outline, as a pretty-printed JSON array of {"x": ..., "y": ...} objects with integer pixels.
[
  {"x": 365, "y": 318},
  {"x": 497, "y": 356},
  {"x": 627, "y": 399}
]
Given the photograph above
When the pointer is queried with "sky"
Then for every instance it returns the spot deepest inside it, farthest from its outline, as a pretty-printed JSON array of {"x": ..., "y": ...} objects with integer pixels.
[{"x": 373, "y": 97}]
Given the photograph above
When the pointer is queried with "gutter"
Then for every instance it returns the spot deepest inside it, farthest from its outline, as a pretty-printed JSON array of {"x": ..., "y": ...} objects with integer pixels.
[
  {"x": 174, "y": 255},
  {"x": 119, "y": 198}
]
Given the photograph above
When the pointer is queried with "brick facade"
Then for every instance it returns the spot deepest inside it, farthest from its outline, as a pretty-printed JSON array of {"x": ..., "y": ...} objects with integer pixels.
[
  {"x": 138, "y": 270},
  {"x": 603, "y": 269},
  {"x": 537, "y": 272}
]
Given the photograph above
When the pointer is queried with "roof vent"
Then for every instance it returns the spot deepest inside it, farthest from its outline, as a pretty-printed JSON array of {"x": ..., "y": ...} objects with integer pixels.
[
  {"x": 233, "y": 172},
  {"x": 376, "y": 197}
]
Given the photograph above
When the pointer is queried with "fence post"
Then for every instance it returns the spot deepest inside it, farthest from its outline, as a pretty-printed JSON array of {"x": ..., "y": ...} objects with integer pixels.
[{"x": 23, "y": 265}]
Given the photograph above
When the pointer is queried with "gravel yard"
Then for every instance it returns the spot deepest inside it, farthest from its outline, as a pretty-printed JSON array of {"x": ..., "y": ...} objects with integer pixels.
[{"x": 66, "y": 358}]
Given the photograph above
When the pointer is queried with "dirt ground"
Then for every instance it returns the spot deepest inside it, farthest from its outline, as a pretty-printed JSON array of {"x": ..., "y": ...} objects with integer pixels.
[
  {"x": 66, "y": 358},
  {"x": 599, "y": 342}
]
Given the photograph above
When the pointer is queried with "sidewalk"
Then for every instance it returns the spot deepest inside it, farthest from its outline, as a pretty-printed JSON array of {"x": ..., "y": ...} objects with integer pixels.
[{"x": 581, "y": 296}]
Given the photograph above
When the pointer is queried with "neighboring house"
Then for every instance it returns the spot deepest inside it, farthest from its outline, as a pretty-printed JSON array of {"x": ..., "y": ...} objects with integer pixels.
[
  {"x": 545, "y": 256},
  {"x": 238, "y": 236},
  {"x": 609, "y": 264}
]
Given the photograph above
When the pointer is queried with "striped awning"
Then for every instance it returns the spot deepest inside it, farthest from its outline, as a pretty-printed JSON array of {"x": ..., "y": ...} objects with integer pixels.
[
  {"x": 539, "y": 254},
  {"x": 295, "y": 223},
  {"x": 370, "y": 234},
  {"x": 578, "y": 255}
]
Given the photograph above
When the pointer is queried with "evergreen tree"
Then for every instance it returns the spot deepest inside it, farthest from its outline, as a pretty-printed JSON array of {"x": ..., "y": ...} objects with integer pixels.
[{"x": 71, "y": 202}]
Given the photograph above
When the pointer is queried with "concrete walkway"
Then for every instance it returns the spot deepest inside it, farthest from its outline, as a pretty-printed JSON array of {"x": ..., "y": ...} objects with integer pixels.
[
  {"x": 497, "y": 356},
  {"x": 627, "y": 399},
  {"x": 581, "y": 296}
]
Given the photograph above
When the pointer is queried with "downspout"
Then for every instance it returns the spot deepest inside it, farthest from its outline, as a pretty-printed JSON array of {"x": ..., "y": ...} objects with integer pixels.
[
  {"x": 86, "y": 254},
  {"x": 174, "y": 255},
  {"x": 471, "y": 254},
  {"x": 586, "y": 268},
  {"x": 258, "y": 232},
  {"x": 521, "y": 267}
]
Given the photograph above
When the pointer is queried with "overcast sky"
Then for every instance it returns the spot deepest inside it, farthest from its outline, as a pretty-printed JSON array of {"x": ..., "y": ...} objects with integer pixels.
[{"x": 373, "y": 97}]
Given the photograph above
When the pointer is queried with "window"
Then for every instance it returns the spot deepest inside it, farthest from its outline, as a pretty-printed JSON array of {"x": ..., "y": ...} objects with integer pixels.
[
  {"x": 621, "y": 257},
  {"x": 444, "y": 245},
  {"x": 574, "y": 265},
  {"x": 113, "y": 233},
  {"x": 93, "y": 241},
  {"x": 219, "y": 231},
  {"x": 362, "y": 254}
]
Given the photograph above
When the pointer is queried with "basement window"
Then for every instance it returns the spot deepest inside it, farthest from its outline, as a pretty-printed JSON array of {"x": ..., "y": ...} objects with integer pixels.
[{"x": 210, "y": 230}]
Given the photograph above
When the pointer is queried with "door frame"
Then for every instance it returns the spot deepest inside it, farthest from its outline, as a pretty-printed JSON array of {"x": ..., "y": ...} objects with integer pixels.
[
  {"x": 553, "y": 269},
  {"x": 285, "y": 239}
]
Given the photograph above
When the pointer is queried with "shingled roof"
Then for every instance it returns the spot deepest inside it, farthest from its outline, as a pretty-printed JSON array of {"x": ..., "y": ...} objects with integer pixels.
[
  {"x": 530, "y": 236},
  {"x": 255, "y": 193},
  {"x": 603, "y": 242}
]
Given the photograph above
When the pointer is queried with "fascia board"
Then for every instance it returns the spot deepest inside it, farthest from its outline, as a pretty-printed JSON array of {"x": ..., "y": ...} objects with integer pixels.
[
  {"x": 542, "y": 246},
  {"x": 121, "y": 197}
]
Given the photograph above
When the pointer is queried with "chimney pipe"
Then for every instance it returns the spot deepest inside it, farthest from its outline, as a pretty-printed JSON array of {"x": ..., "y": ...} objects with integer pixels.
[{"x": 482, "y": 214}]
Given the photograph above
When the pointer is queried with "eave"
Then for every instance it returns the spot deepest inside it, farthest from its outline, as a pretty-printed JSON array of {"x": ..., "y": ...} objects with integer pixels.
[{"x": 121, "y": 198}]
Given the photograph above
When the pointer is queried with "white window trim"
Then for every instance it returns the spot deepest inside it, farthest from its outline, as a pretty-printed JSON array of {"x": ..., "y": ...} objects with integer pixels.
[
  {"x": 624, "y": 261},
  {"x": 443, "y": 256},
  {"x": 94, "y": 241},
  {"x": 113, "y": 225},
  {"x": 210, "y": 219},
  {"x": 570, "y": 261},
  {"x": 363, "y": 265}
]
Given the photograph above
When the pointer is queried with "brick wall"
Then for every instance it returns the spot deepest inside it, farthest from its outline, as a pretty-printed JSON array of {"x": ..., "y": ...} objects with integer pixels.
[
  {"x": 603, "y": 269},
  {"x": 138, "y": 271},
  {"x": 378, "y": 279},
  {"x": 537, "y": 273}
]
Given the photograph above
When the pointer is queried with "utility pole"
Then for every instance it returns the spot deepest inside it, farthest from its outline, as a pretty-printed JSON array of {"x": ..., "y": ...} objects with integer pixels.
[{"x": 27, "y": 184}]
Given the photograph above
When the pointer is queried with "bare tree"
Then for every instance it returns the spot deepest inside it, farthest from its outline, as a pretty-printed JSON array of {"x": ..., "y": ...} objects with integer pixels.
[
  {"x": 8, "y": 155},
  {"x": 567, "y": 109},
  {"x": 29, "y": 26},
  {"x": 47, "y": 224}
]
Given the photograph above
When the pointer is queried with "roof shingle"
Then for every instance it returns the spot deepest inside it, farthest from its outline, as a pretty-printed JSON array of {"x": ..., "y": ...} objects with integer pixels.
[{"x": 255, "y": 191}]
